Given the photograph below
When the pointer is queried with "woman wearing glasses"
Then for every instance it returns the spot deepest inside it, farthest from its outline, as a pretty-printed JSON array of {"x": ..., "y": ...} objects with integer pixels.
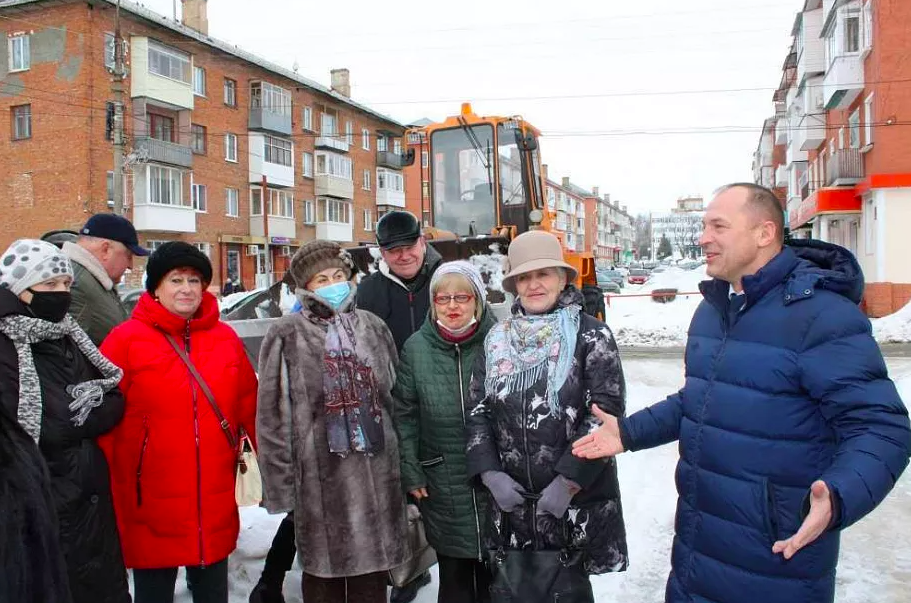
[{"x": 431, "y": 395}]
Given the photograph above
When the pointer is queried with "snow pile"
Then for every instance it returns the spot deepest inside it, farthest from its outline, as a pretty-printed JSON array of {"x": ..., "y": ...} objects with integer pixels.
[
  {"x": 229, "y": 300},
  {"x": 491, "y": 267},
  {"x": 895, "y": 328}
]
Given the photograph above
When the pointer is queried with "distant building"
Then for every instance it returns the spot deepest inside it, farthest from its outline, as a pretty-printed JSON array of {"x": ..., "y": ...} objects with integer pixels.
[{"x": 682, "y": 226}]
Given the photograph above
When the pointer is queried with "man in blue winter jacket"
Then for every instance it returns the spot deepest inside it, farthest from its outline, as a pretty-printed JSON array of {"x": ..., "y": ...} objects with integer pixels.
[{"x": 790, "y": 429}]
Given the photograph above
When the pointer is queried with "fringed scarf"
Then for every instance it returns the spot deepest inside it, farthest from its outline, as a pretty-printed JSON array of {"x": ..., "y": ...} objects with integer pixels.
[
  {"x": 88, "y": 395},
  {"x": 354, "y": 417},
  {"x": 522, "y": 349}
]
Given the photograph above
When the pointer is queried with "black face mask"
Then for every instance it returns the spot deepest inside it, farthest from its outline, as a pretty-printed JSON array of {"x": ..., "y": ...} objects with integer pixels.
[{"x": 51, "y": 306}]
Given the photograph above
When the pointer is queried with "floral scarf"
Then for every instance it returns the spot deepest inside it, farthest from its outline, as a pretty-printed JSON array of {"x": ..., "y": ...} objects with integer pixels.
[{"x": 522, "y": 349}]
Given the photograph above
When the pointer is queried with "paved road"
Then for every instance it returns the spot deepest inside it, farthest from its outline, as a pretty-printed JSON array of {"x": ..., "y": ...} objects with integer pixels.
[{"x": 890, "y": 350}]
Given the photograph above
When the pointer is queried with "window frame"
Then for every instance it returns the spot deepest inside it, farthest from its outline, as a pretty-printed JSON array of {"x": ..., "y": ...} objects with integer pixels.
[
  {"x": 195, "y": 189},
  {"x": 228, "y": 147},
  {"x": 869, "y": 117},
  {"x": 173, "y": 54},
  {"x": 199, "y": 82},
  {"x": 229, "y": 84},
  {"x": 179, "y": 189},
  {"x": 365, "y": 180},
  {"x": 854, "y": 141},
  {"x": 25, "y": 52},
  {"x": 277, "y": 146},
  {"x": 17, "y": 112},
  {"x": 307, "y": 118},
  {"x": 228, "y": 191},
  {"x": 199, "y": 132},
  {"x": 305, "y": 156},
  {"x": 309, "y": 212},
  {"x": 368, "y": 220}
]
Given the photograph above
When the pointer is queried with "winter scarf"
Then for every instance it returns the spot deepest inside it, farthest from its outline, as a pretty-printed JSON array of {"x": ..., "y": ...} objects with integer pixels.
[
  {"x": 354, "y": 418},
  {"x": 523, "y": 348},
  {"x": 25, "y": 331}
]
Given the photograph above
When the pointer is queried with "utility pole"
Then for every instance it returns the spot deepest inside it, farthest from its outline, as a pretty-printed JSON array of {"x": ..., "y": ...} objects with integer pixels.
[
  {"x": 117, "y": 89},
  {"x": 268, "y": 258}
]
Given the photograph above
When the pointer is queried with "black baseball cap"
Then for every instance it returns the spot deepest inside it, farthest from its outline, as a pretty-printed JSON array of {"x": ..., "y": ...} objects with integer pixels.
[
  {"x": 397, "y": 229},
  {"x": 114, "y": 228}
]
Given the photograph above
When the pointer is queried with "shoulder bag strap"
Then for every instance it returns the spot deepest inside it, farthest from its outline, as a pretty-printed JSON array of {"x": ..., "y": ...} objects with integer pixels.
[{"x": 225, "y": 425}]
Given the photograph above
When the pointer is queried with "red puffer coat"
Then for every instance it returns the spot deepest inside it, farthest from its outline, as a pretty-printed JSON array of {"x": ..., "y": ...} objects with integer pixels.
[{"x": 171, "y": 466}]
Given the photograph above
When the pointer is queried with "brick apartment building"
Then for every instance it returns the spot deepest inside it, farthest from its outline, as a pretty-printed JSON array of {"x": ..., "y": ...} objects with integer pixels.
[
  {"x": 845, "y": 86},
  {"x": 204, "y": 121}
]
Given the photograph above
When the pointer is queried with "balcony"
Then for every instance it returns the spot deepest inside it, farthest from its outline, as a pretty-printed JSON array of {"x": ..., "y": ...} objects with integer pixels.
[
  {"x": 844, "y": 81},
  {"x": 177, "y": 91},
  {"x": 333, "y": 186},
  {"x": 335, "y": 231},
  {"x": 811, "y": 60},
  {"x": 391, "y": 160},
  {"x": 152, "y": 217},
  {"x": 811, "y": 132},
  {"x": 781, "y": 130},
  {"x": 276, "y": 174},
  {"x": 390, "y": 197},
  {"x": 781, "y": 175},
  {"x": 279, "y": 226},
  {"x": 333, "y": 143},
  {"x": 262, "y": 119},
  {"x": 845, "y": 167},
  {"x": 162, "y": 151}
]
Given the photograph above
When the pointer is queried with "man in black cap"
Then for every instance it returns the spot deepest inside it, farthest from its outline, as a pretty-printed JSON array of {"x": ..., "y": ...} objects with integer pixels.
[
  {"x": 101, "y": 254},
  {"x": 399, "y": 292}
]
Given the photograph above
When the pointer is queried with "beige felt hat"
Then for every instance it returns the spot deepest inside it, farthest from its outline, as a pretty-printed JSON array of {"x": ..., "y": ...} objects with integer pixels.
[{"x": 533, "y": 250}]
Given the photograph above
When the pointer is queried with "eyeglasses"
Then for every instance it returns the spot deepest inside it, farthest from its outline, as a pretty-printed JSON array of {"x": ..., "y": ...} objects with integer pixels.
[{"x": 461, "y": 298}]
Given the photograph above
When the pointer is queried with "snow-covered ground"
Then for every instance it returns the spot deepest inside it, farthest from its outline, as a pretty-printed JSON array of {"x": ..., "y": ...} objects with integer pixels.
[
  {"x": 639, "y": 321},
  {"x": 875, "y": 559}
]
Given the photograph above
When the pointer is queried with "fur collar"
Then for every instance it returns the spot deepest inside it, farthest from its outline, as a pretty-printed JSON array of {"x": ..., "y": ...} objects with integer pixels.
[{"x": 84, "y": 258}]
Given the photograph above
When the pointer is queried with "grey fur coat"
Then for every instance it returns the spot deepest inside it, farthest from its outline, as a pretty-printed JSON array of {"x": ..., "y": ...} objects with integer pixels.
[{"x": 349, "y": 513}]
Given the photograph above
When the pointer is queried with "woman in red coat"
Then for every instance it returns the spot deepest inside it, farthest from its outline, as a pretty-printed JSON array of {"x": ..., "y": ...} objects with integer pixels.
[{"x": 172, "y": 466}]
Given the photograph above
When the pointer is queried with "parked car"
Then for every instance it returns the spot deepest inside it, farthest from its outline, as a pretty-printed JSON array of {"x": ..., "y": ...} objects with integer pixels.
[
  {"x": 637, "y": 276},
  {"x": 607, "y": 284},
  {"x": 130, "y": 297},
  {"x": 612, "y": 275}
]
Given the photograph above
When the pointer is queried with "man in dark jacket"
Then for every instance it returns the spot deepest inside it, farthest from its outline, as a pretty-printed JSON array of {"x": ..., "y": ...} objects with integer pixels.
[
  {"x": 790, "y": 429},
  {"x": 399, "y": 292},
  {"x": 103, "y": 252}
]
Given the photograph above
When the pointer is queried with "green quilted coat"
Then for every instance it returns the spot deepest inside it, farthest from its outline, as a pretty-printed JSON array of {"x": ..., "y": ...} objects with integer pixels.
[{"x": 431, "y": 396}]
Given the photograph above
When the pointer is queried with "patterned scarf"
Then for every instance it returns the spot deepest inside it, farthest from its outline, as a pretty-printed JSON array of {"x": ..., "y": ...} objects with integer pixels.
[
  {"x": 25, "y": 331},
  {"x": 354, "y": 418},
  {"x": 523, "y": 348}
]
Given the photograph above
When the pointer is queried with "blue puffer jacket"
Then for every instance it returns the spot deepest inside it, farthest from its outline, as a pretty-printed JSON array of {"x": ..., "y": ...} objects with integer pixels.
[{"x": 789, "y": 390}]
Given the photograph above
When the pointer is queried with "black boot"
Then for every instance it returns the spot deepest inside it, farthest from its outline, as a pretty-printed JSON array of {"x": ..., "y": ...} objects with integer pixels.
[
  {"x": 267, "y": 591},
  {"x": 409, "y": 592}
]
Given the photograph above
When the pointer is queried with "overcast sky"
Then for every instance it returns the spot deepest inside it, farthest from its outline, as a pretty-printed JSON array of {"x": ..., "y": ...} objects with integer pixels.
[{"x": 649, "y": 100}]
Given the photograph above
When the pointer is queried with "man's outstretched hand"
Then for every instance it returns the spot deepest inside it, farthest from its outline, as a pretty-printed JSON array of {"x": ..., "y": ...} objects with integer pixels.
[
  {"x": 603, "y": 442},
  {"x": 816, "y": 522}
]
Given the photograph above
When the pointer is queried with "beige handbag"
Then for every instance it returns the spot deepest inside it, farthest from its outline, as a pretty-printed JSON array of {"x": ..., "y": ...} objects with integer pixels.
[
  {"x": 423, "y": 557},
  {"x": 248, "y": 484}
]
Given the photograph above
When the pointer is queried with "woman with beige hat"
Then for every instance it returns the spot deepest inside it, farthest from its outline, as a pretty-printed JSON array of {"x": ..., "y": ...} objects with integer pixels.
[{"x": 531, "y": 391}]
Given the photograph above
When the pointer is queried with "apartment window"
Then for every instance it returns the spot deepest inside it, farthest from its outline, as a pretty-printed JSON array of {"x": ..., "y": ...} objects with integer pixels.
[
  {"x": 308, "y": 119},
  {"x": 205, "y": 248},
  {"x": 109, "y": 48},
  {"x": 366, "y": 184},
  {"x": 161, "y": 127},
  {"x": 868, "y": 120},
  {"x": 365, "y": 139},
  {"x": 281, "y": 203},
  {"x": 308, "y": 164},
  {"x": 198, "y": 138},
  {"x": 199, "y": 81},
  {"x": 198, "y": 197},
  {"x": 22, "y": 121},
  {"x": 425, "y": 162},
  {"x": 230, "y": 92},
  {"x": 368, "y": 220},
  {"x": 20, "y": 56},
  {"x": 854, "y": 129},
  {"x": 841, "y": 138},
  {"x": 332, "y": 164},
  {"x": 169, "y": 63},
  {"x": 349, "y": 132},
  {"x": 232, "y": 202},
  {"x": 397, "y": 146},
  {"x": 380, "y": 142},
  {"x": 165, "y": 186},
  {"x": 389, "y": 180},
  {"x": 309, "y": 217},
  {"x": 269, "y": 97},
  {"x": 852, "y": 32},
  {"x": 327, "y": 124},
  {"x": 231, "y": 147},
  {"x": 334, "y": 210},
  {"x": 277, "y": 150}
]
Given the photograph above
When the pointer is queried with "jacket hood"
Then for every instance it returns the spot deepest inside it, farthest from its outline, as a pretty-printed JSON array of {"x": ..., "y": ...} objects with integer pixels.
[
  {"x": 429, "y": 330},
  {"x": 149, "y": 311},
  {"x": 432, "y": 259},
  {"x": 827, "y": 266},
  {"x": 11, "y": 305}
]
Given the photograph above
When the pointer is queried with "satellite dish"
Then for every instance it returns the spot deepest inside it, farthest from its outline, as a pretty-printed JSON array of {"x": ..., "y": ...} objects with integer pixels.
[{"x": 295, "y": 67}]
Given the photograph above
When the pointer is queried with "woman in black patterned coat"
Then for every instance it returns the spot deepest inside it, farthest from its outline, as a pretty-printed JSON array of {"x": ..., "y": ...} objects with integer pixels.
[{"x": 531, "y": 392}]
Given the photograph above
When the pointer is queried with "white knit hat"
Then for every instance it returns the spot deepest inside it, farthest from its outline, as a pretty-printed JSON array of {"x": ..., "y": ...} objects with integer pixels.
[{"x": 28, "y": 262}]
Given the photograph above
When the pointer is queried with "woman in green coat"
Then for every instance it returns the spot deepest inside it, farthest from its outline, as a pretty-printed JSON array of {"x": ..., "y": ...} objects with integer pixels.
[{"x": 431, "y": 394}]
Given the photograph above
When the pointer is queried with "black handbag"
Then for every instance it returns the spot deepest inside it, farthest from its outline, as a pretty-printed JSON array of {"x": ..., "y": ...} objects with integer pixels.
[{"x": 537, "y": 575}]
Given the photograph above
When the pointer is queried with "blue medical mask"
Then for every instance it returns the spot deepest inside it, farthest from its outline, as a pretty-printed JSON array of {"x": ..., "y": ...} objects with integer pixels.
[{"x": 335, "y": 294}]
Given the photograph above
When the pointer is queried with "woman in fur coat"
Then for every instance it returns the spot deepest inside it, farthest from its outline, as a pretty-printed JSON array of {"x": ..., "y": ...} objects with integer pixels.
[{"x": 327, "y": 447}]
